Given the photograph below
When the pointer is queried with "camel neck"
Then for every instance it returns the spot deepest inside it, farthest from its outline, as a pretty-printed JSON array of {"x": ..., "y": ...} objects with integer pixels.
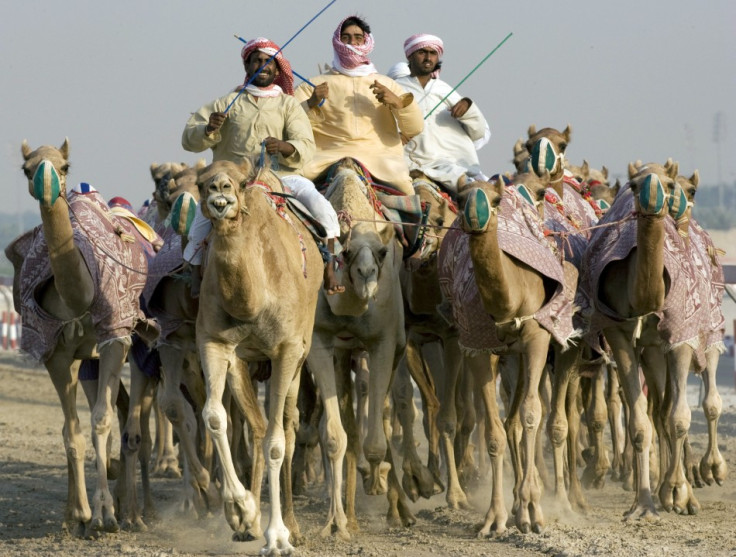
[
  {"x": 649, "y": 287},
  {"x": 491, "y": 268}
]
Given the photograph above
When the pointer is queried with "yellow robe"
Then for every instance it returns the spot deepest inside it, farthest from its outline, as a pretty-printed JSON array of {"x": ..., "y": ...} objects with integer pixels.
[{"x": 352, "y": 123}]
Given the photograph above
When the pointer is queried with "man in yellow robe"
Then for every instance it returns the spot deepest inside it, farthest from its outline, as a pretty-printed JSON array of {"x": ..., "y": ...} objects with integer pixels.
[{"x": 364, "y": 113}]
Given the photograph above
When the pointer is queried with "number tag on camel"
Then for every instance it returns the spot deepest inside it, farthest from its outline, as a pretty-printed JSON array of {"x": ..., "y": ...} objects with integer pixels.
[
  {"x": 651, "y": 195},
  {"x": 477, "y": 212},
  {"x": 182, "y": 213},
  {"x": 46, "y": 184}
]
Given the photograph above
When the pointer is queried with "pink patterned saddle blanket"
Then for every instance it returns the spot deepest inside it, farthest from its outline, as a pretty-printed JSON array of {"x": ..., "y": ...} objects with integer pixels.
[
  {"x": 691, "y": 308},
  {"x": 118, "y": 268},
  {"x": 521, "y": 236},
  {"x": 167, "y": 261}
]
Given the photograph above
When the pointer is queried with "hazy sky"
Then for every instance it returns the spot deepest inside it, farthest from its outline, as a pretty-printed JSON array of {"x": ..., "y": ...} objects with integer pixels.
[{"x": 635, "y": 79}]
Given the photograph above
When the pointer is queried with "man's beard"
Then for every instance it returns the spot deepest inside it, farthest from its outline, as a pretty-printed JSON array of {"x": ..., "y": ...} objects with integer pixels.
[
  {"x": 421, "y": 71},
  {"x": 264, "y": 79}
]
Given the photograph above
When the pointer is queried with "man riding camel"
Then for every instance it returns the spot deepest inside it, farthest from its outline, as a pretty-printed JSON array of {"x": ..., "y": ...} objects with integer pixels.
[{"x": 264, "y": 116}]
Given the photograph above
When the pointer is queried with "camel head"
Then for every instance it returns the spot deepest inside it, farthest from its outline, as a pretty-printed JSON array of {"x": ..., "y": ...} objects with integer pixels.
[
  {"x": 162, "y": 174},
  {"x": 533, "y": 188},
  {"x": 221, "y": 186},
  {"x": 604, "y": 194},
  {"x": 683, "y": 198},
  {"x": 521, "y": 160},
  {"x": 365, "y": 241},
  {"x": 442, "y": 213},
  {"x": 479, "y": 204},
  {"x": 652, "y": 185},
  {"x": 547, "y": 149},
  {"x": 364, "y": 256},
  {"x": 46, "y": 169}
]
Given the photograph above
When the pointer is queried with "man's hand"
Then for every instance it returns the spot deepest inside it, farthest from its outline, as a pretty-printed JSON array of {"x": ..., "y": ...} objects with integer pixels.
[
  {"x": 385, "y": 96},
  {"x": 275, "y": 146},
  {"x": 320, "y": 93},
  {"x": 217, "y": 119},
  {"x": 461, "y": 107}
]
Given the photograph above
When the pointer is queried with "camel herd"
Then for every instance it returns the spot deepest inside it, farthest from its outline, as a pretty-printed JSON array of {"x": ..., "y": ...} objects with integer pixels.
[{"x": 571, "y": 303}]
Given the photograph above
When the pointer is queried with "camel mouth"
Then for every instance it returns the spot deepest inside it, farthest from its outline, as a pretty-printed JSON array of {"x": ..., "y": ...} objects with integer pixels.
[{"x": 219, "y": 205}]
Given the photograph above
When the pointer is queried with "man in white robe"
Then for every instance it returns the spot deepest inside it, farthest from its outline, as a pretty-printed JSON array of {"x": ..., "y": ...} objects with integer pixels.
[{"x": 446, "y": 150}]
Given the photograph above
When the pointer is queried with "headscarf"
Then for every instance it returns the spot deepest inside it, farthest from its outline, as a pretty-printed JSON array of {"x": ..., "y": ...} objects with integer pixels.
[
  {"x": 424, "y": 40},
  {"x": 352, "y": 59},
  {"x": 284, "y": 82}
]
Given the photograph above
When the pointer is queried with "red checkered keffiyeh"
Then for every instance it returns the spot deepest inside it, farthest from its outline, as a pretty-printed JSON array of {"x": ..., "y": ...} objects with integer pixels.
[
  {"x": 285, "y": 79},
  {"x": 424, "y": 40},
  {"x": 351, "y": 56}
]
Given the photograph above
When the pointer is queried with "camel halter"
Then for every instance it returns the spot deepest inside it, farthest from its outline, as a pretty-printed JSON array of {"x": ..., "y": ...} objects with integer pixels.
[{"x": 544, "y": 157}]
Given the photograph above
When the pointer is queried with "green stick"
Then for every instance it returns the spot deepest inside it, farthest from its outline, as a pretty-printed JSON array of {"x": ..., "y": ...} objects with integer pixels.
[{"x": 467, "y": 76}]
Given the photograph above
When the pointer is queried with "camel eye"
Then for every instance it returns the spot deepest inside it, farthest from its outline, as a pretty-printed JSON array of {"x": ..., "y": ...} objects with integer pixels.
[
  {"x": 64, "y": 169},
  {"x": 563, "y": 146},
  {"x": 440, "y": 221},
  {"x": 27, "y": 172}
]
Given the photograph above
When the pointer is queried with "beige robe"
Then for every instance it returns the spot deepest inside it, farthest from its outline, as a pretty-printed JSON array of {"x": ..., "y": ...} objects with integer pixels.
[
  {"x": 352, "y": 123},
  {"x": 248, "y": 123}
]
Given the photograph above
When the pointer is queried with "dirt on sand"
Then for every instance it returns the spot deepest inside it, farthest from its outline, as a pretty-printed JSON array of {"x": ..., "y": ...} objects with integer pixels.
[{"x": 33, "y": 486}]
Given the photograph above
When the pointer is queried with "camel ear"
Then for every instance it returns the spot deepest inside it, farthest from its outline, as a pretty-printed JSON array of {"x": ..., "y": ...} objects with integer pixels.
[
  {"x": 604, "y": 171},
  {"x": 25, "y": 149},
  {"x": 585, "y": 167},
  {"x": 617, "y": 186},
  {"x": 65, "y": 148},
  {"x": 695, "y": 178},
  {"x": 201, "y": 163},
  {"x": 633, "y": 169},
  {"x": 532, "y": 130},
  {"x": 518, "y": 147},
  {"x": 673, "y": 170},
  {"x": 567, "y": 133},
  {"x": 154, "y": 166}
]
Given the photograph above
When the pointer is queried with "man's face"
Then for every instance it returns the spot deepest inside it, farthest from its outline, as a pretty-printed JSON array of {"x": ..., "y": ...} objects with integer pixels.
[
  {"x": 352, "y": 35},
  {"x": 423, "y": 61},
  {"x": 267, "y": 74}
]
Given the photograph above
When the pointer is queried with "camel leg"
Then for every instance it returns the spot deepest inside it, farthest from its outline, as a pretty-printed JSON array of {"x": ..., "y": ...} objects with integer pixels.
[
  {"x": 112, "y": 357},
  {"x": 63, "y": 371},
  {"x": 131, "y": 441},
  {"x": 382, "y": 362},
  {"x": 712, "y": 465},
  {"x": 534, "y": 356},
  {"x": 202, "y": 493},
  {"x": 597, "y": 467},
  {"x": 614, "y": 407},
  {"x": 640, "y": 428},
  {"x": 307, "y": 436},
  {"x": 239, "y": 504},
  {"x": 284, "y": 384},
  {"x": 359, "y": 363},
  {"x": 447, "y": 422},
  {"x": 675, "y": 492},
  {"x": 558, "y": 425},
  {"x": 484, "y": 371},
  {"x": 291, "y": 422},
  {"x": 417, "y": 479},
  {"x": 353, "y": 450},
  {"x": 467, "y": 469},
  {"x": 545, "y": 393},
  {"x": 334, "y": 439},
  {"x": 575, "y": 492},
  {"x": 654, "y": 370},
  {"x": 512, "y": 380},
  {"x": 420, "y": 371},
  {"x": 246, "y": 400},
  {"x": 166, "y": 463}
]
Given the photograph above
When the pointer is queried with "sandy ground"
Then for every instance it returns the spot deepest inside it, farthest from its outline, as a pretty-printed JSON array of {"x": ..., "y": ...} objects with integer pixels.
[{"x": 33, "y": 491}]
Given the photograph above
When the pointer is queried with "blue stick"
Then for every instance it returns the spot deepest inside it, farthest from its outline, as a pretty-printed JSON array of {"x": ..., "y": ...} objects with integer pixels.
[
  {"x": 274, "y": 56},
  {"x": 304, "y": 79}
]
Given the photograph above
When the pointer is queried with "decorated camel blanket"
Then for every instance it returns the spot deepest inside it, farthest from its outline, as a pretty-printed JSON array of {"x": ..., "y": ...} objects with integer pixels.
[
  {"x": 710, "y": 270},
  {"x": 570, "y": 219},
  {"x": 115, "y": 309},
  {"x": 688, "y": 312},
  {"x": 520, "y": 235},
  {"x": 167, "y": 261}
]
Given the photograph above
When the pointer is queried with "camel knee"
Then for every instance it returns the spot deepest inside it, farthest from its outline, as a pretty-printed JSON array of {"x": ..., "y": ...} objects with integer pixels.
[
  {"x": 214, "y": 419},
  {"x": 557, "y": 431}
]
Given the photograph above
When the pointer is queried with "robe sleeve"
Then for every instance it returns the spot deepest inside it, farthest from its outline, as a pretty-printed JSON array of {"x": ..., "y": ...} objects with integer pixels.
[
  {"x": 298, "y": 132},
  {"x": 193, "y": 137}
]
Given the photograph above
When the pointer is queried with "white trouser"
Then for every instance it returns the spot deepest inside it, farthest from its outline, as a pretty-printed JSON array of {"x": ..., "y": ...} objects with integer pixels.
[{"x": 302, "y": 188}]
